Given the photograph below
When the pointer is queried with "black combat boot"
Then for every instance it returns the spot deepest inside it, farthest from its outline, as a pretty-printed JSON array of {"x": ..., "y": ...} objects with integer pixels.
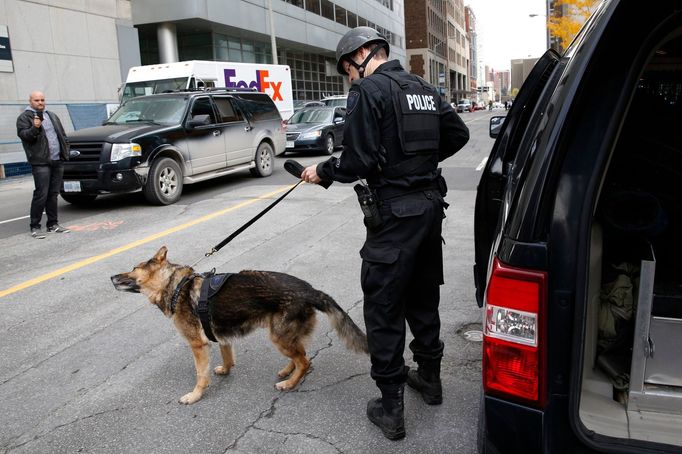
[
  {"x": 426, "y": 380},
  {"x": 387, "y": 412}
]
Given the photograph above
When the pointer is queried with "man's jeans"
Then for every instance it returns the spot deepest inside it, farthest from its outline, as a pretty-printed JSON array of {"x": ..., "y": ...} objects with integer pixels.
[{"x": 48, "y": 182}]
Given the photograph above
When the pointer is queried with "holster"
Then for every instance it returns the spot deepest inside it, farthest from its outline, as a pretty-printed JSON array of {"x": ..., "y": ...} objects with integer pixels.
[
  {"x": 369, "y": 206},
  {"x": 441, "y": 185}
]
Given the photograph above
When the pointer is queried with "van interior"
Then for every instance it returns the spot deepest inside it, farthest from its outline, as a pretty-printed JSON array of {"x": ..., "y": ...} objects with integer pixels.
[{"x": 632, "y": 373}]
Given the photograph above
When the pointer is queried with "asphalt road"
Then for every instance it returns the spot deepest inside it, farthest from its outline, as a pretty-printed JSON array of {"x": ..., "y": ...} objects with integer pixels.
[{"x": 88, "y": 369}]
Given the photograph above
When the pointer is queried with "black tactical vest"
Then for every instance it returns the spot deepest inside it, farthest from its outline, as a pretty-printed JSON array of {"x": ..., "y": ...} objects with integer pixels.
[{"x": 417, "y": 111}]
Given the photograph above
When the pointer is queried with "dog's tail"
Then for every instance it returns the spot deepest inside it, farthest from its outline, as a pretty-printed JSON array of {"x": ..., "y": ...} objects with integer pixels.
[{"x": 344, "y": 326}]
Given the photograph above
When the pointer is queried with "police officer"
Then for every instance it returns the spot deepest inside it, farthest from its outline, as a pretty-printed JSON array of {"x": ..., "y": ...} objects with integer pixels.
[{"x": 397, "y": 130}]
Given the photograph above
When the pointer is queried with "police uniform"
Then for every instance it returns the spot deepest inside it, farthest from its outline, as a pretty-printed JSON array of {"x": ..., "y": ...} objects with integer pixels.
[{"x": 397, "y": 130}]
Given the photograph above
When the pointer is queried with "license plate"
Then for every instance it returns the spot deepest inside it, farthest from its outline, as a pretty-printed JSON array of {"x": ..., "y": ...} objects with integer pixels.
[
  {"x": 72, "y": 186},
  {"x": 290, "y": 144}
]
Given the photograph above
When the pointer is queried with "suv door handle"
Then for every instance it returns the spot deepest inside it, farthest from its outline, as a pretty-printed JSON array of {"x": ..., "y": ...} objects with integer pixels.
[{"x": 216, "y": 132}]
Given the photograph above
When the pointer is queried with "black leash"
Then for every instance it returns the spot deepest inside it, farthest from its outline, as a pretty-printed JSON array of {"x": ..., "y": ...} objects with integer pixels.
[
  {"x": 295, "y": 169},
  {"x": 220, "y": 245}
]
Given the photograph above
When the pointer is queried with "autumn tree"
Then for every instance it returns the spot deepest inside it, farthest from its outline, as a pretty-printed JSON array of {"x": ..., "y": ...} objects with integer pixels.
[{"x": 567, "y": 18}]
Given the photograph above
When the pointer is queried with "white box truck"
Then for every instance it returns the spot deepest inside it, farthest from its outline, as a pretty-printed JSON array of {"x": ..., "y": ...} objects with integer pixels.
[{"x": 275, "y": 80}]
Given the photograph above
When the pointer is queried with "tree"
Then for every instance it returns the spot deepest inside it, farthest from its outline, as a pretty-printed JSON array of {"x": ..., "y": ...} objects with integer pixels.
[{"x": 567, "y": 18}]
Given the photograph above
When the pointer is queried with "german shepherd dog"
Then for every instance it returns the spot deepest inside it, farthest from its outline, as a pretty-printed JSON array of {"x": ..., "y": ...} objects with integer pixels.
[{"x": 249, "y": 299}]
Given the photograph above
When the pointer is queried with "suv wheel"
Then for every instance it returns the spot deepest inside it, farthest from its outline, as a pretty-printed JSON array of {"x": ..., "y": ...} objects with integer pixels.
[
  {"x": 329, "y": 144},
  {"x": 79, "y": 199},
  {"x": 164, "y": 184},
  {"x": 264, "y": 160}
]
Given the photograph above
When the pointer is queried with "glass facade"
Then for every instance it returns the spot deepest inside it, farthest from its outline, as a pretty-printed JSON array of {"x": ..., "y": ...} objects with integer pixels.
[
  {"x": 332, "y": 11},
  {"x": 309, "y": 75}
]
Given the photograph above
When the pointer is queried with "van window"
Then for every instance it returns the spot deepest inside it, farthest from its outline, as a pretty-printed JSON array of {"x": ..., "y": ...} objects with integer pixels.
[
  {"x": 202, "y": 106},
  {"x": 226, "y": 110},
  {"x": 150, "y": 87},
  {"x": 260, "y": 106}
]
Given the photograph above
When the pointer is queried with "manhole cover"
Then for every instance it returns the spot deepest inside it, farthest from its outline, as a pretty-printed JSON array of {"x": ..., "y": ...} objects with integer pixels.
[{"x": 473, "y": 335}]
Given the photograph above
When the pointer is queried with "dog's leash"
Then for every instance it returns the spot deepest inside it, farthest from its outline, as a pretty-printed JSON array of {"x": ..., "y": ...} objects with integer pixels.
[{"x": 291, "y": 166}]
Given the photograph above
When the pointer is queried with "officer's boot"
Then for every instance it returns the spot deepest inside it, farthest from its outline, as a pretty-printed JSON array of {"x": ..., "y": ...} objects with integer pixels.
[
  {"x": 426, "y": 380},
  {"x": 387, "y": 412}
]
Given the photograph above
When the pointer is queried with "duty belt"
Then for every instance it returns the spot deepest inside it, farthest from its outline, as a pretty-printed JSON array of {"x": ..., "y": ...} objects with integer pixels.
[{"x": 390, "y": 192}]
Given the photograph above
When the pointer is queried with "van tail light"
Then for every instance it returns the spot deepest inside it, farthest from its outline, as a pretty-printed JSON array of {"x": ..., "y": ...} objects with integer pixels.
[
  {"x": 514, "y": 340},
  {"x": 283, "y": 125}
]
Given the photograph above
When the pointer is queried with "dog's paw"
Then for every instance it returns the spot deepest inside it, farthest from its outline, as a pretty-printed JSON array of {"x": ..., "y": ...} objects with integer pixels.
[
  {"x": 221, "y": 370},
  {"x": 284, "y": 385},
  {"x": 286, "y": 371},
  {"x": 190, "y": 398}
]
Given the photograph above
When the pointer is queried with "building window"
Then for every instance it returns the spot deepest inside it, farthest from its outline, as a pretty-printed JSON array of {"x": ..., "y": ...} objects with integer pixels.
[
  {"x": 313, "y": 6},
  {"x": 327, "y": 9},
  {"x": 310, "y": 78},
  {"x": 352, "y": 20},
  {"x": 298, "y": 3},
  {"x": 228, "y": 48},
  {"x": 340, "y": 14}
]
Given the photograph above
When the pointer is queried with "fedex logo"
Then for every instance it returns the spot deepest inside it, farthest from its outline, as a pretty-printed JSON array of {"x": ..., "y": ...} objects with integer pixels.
[{"x": 261, "y": 83}]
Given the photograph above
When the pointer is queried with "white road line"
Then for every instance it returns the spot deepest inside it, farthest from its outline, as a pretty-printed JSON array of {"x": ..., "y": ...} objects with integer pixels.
[
  {"x": 482, "y": 164},
  {"x": 15, "y": 219}
]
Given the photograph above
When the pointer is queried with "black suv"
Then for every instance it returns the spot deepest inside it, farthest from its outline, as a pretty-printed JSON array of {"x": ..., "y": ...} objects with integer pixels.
[
  {"x": 578, "y": 226},
  {"x": 158, "y": 143}
]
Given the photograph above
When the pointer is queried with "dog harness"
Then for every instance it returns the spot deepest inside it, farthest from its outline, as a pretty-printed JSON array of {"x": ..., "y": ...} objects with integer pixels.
[{"x": 209, "y": 288}]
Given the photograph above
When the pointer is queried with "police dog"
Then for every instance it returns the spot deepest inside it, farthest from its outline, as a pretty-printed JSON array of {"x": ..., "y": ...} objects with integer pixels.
[{"x": 249, "y": 299}]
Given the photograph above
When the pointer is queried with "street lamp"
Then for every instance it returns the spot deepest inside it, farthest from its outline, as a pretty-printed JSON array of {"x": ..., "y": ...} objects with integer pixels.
[{"x": 546, "y": 28}]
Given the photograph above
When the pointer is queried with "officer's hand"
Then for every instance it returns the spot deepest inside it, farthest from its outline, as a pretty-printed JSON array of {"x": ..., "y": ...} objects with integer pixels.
[{"x": 309, "y": 175}]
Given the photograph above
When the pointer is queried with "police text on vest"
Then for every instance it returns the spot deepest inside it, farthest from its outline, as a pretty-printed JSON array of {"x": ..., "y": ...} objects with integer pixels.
[{"x": 421, "y": 102}]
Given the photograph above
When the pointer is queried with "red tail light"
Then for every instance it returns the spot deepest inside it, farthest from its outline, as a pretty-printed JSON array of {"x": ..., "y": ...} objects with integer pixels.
[
  {"x": 283, "y": 125},
  {"x": 514, "y": 334}
]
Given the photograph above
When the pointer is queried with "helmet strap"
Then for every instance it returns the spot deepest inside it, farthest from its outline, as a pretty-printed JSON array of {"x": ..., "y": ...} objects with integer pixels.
[{"x": 361, "y": 67}]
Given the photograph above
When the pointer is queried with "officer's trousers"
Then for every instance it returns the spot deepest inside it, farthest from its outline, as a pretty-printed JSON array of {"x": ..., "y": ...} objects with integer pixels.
[{"x": 402, "y": 270}]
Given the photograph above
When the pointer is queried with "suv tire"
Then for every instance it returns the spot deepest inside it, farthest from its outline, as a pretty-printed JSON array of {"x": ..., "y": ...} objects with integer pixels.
[
  {"x": 79, "y": 199},
  {"x": 329, "y": 144},
  {"x": 164, "y": 185},
  {"x": 264, "y": 161}
]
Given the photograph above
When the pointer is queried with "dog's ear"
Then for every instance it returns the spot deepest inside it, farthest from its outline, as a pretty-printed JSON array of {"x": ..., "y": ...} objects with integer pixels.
[{"x": 160, "y": 255}]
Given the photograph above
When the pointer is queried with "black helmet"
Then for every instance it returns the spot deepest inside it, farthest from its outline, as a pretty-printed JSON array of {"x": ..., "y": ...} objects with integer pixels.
[{"x": 355, "y": 39}]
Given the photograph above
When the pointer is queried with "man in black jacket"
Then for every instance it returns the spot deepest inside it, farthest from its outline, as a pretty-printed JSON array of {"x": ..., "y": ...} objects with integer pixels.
[
  {"x": 396, "y": 132},
  {"x": 46, "y": 145}
]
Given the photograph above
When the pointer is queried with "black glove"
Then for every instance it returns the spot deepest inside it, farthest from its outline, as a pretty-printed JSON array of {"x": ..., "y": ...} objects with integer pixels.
[{"x": 296, "y": 169}]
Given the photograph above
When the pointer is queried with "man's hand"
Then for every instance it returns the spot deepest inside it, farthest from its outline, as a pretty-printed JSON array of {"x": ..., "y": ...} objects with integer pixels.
[
  {"x": 309, "y": 175},
  {"x": 37, "y": 122}
]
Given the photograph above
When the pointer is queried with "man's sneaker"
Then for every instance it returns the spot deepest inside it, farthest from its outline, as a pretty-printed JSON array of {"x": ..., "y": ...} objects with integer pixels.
[
  {"x": 57, "y": 229},
  {"x": 36, "y": 233}
]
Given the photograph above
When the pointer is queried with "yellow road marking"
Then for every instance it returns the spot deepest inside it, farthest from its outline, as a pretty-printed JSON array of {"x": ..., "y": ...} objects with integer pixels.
[{"x": 118, "y": 250}]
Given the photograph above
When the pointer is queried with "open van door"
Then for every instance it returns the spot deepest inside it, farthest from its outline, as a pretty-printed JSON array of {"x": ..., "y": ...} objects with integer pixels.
[{"x": 508, "y": 132}]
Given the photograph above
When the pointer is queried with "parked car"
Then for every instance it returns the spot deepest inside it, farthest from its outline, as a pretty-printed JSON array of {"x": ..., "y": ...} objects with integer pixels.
[
  {"x": 298, "y": 105},
  {"x": 335, "y": 101},
  {"x": 160, "y": 142},
  {"x": 316, "y": 128},
  {"x": 464, "y": 106},
  {"x": 577, "y": 245}
]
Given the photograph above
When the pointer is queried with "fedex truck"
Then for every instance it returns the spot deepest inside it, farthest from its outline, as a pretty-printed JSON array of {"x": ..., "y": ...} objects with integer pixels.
[{"x": 275, "y": 80}]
